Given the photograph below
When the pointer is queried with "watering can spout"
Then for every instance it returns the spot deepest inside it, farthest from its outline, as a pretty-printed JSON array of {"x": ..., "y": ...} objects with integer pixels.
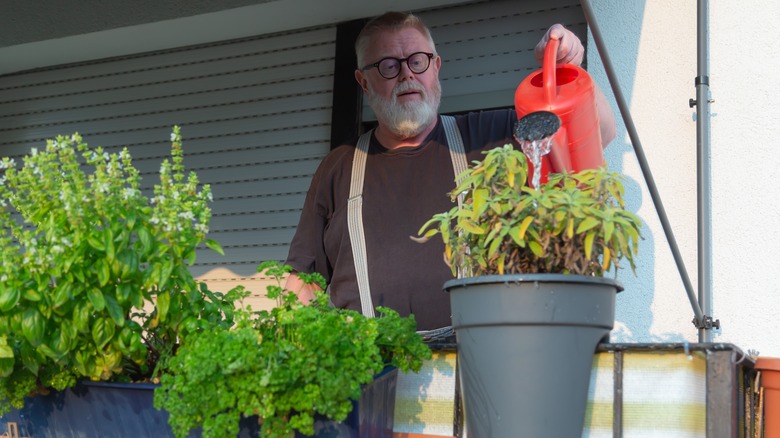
[{"x": 559, "y": 101}]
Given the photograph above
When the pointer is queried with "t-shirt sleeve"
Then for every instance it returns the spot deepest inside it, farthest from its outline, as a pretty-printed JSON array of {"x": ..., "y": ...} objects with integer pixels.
[
  {"x": 486, "y": 130},
  {"x": 307, "y": 251}
]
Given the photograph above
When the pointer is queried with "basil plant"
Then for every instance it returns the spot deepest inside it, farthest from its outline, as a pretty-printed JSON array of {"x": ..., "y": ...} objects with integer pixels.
[{"x": 94, "y": 279}]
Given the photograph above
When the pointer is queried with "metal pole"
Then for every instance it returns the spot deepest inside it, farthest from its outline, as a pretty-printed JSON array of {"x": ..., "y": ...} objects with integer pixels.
[
  {"x": 699, "y": 317},
  {"x": 703, "y": 165}
]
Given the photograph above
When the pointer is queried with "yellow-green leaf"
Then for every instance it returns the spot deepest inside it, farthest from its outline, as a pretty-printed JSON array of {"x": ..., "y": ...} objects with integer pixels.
[
  {"x": 609, "y": 227},
  {"x": 514, "y": 233},
  {"x": 587, "y": 224},
  {"x": 163, "y": 304},
  {"x": 589, "y": 244},
  {"x": 470, "y": 226},
  {"x": 536, "y": 248},
  {"x": 524, "y": 226},
  {"x": 480, "y": 197},
  {"x": 494, "y": 245}
]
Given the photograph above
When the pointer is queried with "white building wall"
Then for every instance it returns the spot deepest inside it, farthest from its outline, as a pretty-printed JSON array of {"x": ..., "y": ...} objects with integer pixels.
[{"x": 652, "y": 46}]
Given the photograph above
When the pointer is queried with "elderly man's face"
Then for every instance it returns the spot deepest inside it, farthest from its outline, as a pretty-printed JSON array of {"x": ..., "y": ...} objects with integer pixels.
[{"x": 408, "y": 103}]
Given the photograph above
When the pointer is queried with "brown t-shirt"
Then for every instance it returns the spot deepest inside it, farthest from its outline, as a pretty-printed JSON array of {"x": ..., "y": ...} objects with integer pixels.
[{"x": 403, "y": 189}]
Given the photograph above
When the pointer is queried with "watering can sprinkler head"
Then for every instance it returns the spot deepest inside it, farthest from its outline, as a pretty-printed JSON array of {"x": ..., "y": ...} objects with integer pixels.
[{"x": 536, "y": 126}]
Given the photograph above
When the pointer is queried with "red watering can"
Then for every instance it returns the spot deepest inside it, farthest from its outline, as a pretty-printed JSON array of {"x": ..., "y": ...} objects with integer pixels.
[{"x": 559, "y": 101}]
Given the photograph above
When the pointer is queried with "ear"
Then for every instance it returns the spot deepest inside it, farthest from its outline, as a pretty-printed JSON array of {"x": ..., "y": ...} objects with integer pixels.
[
  {"x": 437, "y": 62},
  {"x": 361, "y": 79}
]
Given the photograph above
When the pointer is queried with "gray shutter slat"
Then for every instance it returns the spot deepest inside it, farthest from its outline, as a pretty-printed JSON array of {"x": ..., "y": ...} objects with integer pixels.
[
  {"x": 205, "y": 92},
  {"x": 265, "y": 170},
  {"x": 293, "y": 184},
  {"x": 269, "y": 47},
  {"x": 240, "y": 205},
  {"x": 227, "y": 116},
  {"x": 241, "y": 260},
  {"x": 267, "y": 219},
  {"x": 289, "y": 122}
]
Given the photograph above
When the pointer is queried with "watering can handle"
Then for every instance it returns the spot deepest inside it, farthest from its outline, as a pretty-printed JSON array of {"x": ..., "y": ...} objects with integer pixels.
[{"x": 548, "y": 69}]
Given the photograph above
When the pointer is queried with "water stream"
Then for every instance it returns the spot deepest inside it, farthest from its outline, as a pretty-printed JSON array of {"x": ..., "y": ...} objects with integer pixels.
[{"x": 535, "y": 150}]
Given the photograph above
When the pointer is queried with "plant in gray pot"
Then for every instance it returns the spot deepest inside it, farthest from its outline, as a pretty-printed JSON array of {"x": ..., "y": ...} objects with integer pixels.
[{"x": 531, "y": 302}]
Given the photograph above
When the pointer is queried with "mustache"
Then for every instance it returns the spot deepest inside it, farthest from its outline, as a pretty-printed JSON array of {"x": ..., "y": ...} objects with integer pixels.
[{"x": 404, "y": 87}]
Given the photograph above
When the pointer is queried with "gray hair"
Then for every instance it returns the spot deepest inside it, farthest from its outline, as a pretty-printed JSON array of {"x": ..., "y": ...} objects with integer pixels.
[{"x": 389, "y": 21}]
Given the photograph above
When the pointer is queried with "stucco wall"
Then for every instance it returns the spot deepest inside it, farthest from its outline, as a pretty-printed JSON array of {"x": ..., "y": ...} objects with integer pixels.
[{"x": 652, "y": 46}]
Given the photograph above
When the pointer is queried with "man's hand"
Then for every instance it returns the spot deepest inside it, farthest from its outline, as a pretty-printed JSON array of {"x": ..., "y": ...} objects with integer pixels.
[
  {"x": 570, "y": 49},
  {"x": 304, "y": 291}
]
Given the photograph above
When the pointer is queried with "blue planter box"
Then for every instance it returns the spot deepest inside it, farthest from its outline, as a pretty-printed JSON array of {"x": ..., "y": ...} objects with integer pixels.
[{"x": 120, "y": 410}]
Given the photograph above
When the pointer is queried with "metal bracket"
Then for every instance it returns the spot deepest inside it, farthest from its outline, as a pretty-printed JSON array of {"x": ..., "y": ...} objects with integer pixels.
[
  {"x": 692, "y": 102},
  {"x": 706, "y": 323}
]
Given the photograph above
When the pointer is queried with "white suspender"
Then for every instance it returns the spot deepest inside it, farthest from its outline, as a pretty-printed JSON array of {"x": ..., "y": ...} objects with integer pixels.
[
  {"x": 355, "y": 203},
  {"x": 357, "y": 236},
  {"x": 457, "y": 151}
]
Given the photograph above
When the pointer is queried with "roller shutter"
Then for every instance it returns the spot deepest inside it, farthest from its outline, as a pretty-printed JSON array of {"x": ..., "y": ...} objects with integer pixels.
[{"x": 255, "y": 116}]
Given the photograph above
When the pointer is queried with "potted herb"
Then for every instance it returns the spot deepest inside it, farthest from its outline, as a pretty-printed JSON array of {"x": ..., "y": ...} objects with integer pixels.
[
  {"x": 290, "y": 366},
  {"x": 94, "y": 279},
  {"x": 532, "y": 303}
]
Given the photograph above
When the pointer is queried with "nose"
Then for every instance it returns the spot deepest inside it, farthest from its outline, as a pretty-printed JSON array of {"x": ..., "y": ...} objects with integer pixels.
[{"x": 405, "y": 72}]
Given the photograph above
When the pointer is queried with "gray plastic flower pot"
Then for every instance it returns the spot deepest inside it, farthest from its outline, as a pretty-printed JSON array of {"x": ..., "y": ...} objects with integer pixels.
[{"x": 525, "y": 350}]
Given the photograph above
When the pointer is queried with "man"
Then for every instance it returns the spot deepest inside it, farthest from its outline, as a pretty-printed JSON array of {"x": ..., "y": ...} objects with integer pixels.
[{"x": 406, "y": 173}]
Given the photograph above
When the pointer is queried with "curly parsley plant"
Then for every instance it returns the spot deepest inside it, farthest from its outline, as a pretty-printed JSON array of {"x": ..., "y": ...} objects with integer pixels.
[{"x": 284, "y": 365}]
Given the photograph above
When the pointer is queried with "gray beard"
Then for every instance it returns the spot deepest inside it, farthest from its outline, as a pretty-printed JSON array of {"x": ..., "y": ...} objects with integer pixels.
[{"x": 409, "y": 119}]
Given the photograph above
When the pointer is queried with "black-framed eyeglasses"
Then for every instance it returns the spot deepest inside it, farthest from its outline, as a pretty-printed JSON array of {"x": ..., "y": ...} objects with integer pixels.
[{"x": 390, "y": 67}]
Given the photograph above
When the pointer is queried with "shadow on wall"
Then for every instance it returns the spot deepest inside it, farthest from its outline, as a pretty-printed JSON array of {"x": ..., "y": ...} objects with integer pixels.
[{"x": 634, "y": 317}]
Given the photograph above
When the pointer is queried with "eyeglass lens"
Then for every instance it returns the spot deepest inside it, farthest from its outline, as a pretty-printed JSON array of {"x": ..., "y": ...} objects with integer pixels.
[{"x": 391, "y": 67}]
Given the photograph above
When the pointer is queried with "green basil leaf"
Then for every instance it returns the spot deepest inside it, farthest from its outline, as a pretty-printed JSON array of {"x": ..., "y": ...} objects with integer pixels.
[
  {"x": 62, "y": 293},
  {"x": 115, "y": 311},
  {"x": 163, "y": 304},
  {"x": 124, "y": 292},
  {"x": 216, "y": 247},
  {"x": 145, "y": 237},
  {"x": 33, "y": 326},
  {"x": 95, "y": 296},
  {"x": 31, "y": 294},
  {"x": 31, "y": 360},
  {"x": 103, "y": 271},
  {"x": 96, "y": 243},
  {"x": 9, "y": 298},
  {"x": 102, "y": 331}
]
